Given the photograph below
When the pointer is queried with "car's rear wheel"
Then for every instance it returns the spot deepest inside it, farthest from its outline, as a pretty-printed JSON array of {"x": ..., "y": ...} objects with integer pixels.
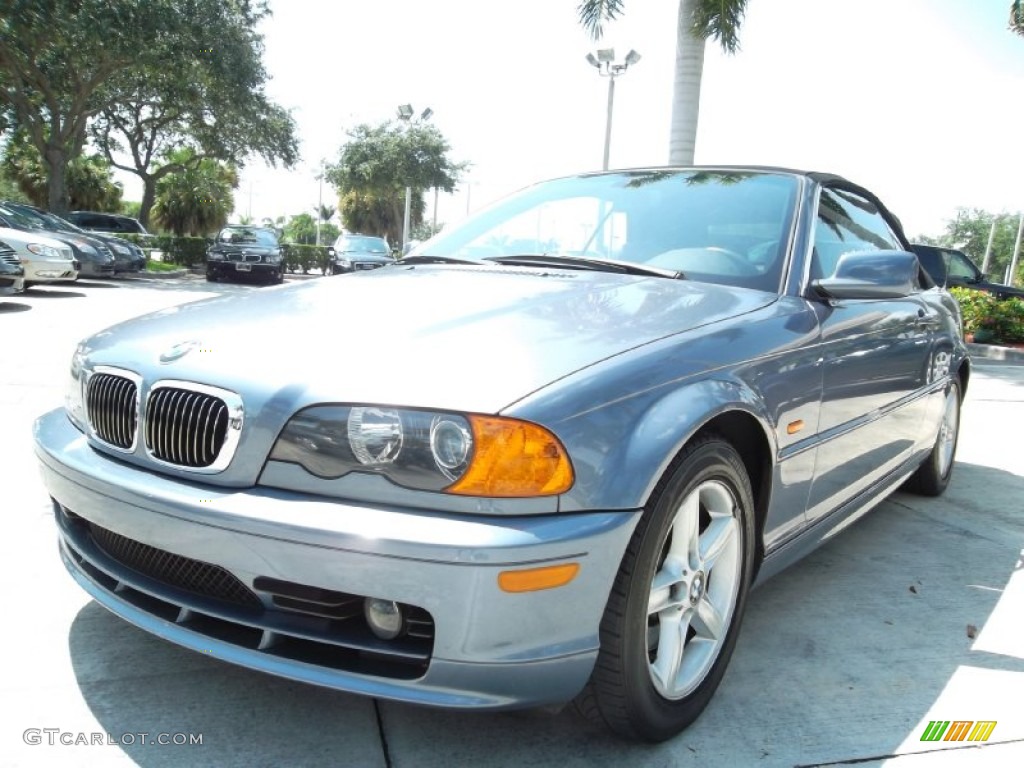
[
  {"x": 932, "y": 477},
  {"x": 674, "y": 613}
]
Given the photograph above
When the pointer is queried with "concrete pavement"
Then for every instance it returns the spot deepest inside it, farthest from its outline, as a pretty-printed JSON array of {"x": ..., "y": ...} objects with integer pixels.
[{"x": 844, "y": 658}]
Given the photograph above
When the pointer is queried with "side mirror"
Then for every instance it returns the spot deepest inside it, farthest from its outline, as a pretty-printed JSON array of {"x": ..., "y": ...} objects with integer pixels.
[{"x": 871, "y": 275}]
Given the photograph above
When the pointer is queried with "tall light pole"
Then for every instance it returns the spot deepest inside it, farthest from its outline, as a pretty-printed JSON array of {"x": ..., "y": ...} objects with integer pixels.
[
  {"x": 405, "y": 114},
  {"x": 320, "y": 199},
  {"x": 606, "y": 66}
]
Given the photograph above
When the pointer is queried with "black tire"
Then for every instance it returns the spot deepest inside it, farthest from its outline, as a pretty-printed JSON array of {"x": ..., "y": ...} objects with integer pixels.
[
  {"x": 932, "y": 477},
  {"x": 621, "y": 693}
]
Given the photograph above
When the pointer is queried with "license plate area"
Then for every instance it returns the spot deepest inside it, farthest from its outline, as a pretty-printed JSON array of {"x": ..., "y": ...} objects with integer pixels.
[{"x": 243, "y": 267}]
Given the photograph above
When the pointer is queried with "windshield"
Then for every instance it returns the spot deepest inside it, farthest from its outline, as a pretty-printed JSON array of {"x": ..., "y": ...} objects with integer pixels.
[
  {"x": 19, "y": 220},
  {"x": 727, "y": 227},
  {"x": 49, "y": 221},
  {"x": 246, "y": 236},
  {"x": 349, "y": 244}
]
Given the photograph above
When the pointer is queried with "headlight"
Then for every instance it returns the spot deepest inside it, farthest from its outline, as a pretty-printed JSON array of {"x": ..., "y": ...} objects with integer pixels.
[
  {"x": 124, "y": 250},
  {"x": 74, "y": 400},
  {"x": 343, "y": 261},
  {"x": 44, "y": 250},
  {"x": 85, "y": 247},
  {"x": 466, "y": 454},
  {"x": 215, "y": 256}
]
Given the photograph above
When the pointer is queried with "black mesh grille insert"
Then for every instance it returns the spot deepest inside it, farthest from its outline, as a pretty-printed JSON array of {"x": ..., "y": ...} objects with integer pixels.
[
  {"x": 182, "y": 572},
  {"x": 111, "y": 404},
  {"x": 184, "y": 427}
]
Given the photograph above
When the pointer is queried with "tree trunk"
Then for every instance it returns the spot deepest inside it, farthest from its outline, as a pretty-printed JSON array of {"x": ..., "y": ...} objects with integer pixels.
[
  {"x": 686, "y": 90},
  {"x": 148, "y": 198},
  {"x": 57, "y": 194}
]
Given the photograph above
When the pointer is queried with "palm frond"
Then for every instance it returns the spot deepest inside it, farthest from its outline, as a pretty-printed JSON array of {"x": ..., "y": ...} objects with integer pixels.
[
  {"x": 1017, "y": 17},
  {"x": 593, "y": 14},
  {"x": 719, "y": 20}
]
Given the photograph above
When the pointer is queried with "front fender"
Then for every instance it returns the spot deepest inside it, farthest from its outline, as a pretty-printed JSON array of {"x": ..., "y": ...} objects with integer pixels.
[{"x": 621, "y": 451}]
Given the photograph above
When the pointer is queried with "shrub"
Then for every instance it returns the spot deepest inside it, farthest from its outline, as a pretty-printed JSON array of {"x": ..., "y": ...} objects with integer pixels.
[
  {"x": 302, "y": 258},
  {"x": 990, "y": 319}
]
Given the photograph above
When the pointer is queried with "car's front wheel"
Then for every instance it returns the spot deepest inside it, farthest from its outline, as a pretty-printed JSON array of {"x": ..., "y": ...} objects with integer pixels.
[
  {"x": 674, "y": 613},
  {"x": 932, "y": 477}
]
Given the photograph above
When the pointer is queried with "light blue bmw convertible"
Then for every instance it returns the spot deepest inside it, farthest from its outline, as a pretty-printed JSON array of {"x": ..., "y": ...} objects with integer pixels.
[{"x": 561, "y": 443}]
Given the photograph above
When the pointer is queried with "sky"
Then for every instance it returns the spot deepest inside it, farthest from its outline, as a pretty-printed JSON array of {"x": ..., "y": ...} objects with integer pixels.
[{"x": 917, "y": 100}]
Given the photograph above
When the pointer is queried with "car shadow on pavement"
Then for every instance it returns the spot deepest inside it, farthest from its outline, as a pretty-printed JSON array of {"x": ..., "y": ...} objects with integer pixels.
[
  {"x": 51, "y": 293},
  {"x": 841, "y": 657},
  {"x": 97, "y": 282},
  {"x": 10, "y": 307}
]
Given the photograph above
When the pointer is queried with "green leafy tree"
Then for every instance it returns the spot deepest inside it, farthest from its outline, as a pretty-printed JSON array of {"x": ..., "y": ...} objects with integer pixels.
[
  {"x": 61, "y": 62},
  {"x": 377, "y": 164},
  {"x": 90, "y": 183},
  {"x": 1017, "y": 17},
  {"x": 198, "y": 200},
  {"x": 218, "y": 110},
  {"x": 698, "y": 21},
  {"x": 301, "y": 228}
]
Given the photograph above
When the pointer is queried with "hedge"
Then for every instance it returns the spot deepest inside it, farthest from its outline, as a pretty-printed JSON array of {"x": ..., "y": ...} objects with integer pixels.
[{"x": 990, "y": 319}]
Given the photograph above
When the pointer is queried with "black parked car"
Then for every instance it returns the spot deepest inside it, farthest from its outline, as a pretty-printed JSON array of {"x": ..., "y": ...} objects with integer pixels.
[
  {"x": 11, "y": 271},
  {"x": 242, "y": 251},
  {"x": 352, "y": 252},
  {"x": 107, "y": 222},
  {"x": 128, "y": 257},
  {"x": 95, "y": 258},
  {"x": 949, "y": 267}
]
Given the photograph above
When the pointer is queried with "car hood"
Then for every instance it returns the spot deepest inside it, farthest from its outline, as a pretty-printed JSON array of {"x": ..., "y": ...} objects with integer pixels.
[
  {"x": 452, "y": 337},
  {"x": 244, "y": 248},
  {"x": 373, "y": 256},
  {"x": 18, "y": 239}
]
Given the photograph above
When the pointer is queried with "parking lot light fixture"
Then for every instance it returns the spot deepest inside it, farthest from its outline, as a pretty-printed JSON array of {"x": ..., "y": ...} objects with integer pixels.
[
  {"x": 604, "y": 62},
  {"x": 405, "y": 114}
]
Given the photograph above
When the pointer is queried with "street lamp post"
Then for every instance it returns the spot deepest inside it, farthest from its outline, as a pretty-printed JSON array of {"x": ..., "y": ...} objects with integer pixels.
[
  {"x": 320, "y": 200},
  {"x": 405, "y": 114},
  {"x": 606, "y": 66}
]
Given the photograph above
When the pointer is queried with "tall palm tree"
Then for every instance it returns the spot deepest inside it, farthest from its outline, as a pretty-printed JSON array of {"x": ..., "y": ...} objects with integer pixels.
[{"x": 698, "y": 20}]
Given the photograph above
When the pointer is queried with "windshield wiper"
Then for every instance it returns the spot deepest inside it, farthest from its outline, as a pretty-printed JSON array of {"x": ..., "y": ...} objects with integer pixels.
[
  {"x": 435, "y": 260},
  {"x": 587, "y": 262}
]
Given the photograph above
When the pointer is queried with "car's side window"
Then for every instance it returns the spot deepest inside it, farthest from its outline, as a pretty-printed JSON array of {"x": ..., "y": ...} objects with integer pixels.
[
  {"x": 959, "y": 266},
  {"x": 847, "y": 222}
]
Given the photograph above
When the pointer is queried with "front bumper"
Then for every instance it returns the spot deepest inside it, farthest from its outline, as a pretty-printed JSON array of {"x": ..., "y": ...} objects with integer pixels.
[
  {"x": 94, "y": 268},
  {"x": 491, "y": 649},
  {"x": 49, "y": 270},
  {"x": 249, "y": 269}
]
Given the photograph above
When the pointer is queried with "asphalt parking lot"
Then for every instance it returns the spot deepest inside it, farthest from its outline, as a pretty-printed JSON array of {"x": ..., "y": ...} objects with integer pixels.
[{"x": 913, "y": 614}]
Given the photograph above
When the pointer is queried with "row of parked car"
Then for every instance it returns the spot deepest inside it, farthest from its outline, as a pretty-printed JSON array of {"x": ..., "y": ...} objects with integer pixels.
[
  {"x": 247, "y": 252},
  {"x": 48, "y": 248}
]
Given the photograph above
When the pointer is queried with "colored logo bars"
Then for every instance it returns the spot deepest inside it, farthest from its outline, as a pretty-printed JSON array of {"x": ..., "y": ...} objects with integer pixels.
[{"x": 958, "y": 730}]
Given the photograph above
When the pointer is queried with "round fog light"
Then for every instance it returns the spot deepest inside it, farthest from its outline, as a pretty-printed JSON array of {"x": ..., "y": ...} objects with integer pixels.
[{"x": 384, "y": 617}]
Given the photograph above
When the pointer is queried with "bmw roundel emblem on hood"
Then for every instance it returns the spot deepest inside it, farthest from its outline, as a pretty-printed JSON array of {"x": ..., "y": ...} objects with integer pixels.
[{"x": 178, "y": 351}]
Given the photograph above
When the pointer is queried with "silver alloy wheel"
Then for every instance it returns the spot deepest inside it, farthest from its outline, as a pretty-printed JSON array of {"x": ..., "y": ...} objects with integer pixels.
[
  {"x": 947, "y": 431},
  {"x": 694, "y": 591}
]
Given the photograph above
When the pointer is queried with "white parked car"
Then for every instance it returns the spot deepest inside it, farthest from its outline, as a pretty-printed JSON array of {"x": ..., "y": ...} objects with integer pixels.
[{"x": 44, "y": 259}]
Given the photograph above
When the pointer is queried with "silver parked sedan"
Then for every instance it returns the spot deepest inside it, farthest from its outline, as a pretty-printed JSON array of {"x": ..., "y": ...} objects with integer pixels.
[{"x": 575, "y": 432}]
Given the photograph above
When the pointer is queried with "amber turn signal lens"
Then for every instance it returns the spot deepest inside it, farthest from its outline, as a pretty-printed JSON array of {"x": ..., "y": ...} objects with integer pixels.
[
  {"x": 536, "y": 579},
  {"x": 513, "y": 459}
]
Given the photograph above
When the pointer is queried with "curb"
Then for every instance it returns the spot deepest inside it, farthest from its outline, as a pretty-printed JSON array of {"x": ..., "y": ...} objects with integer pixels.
[
  {"x": 154, "y": 275},
  {"x": 992, "y": 352}
]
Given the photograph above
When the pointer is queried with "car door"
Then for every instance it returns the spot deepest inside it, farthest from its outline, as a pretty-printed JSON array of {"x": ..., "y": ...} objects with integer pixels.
[{"x": 875, "y": 354}]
